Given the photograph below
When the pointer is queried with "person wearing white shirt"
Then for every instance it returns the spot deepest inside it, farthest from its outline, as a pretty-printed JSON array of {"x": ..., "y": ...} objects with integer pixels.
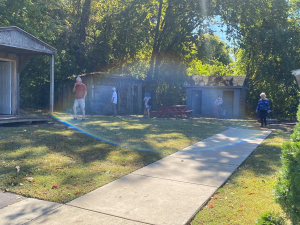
[
  {"x": 218, "y": 105},
  {"x": 114, "y": 101}
]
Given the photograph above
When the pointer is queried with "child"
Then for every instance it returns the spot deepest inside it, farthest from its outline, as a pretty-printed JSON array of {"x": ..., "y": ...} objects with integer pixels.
[{"x": 147, "y": 105}]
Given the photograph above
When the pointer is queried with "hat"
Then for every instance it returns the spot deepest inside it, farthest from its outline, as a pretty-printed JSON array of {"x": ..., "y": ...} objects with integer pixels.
[
  {"x": 147, "y": 95},
  {"x": 78, "y": 79}
]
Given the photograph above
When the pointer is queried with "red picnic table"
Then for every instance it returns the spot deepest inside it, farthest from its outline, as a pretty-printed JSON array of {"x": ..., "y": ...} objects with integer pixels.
[{"x": 173, "y": 111}]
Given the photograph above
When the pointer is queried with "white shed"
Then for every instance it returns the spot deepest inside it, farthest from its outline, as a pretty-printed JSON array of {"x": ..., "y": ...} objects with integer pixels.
[{"x": 16, "y": 48}]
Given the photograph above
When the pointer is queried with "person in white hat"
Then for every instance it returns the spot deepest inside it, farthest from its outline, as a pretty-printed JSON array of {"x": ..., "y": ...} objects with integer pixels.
[
  {"x": 80, "y": 94},
  {"x": 114, "y": 101}
]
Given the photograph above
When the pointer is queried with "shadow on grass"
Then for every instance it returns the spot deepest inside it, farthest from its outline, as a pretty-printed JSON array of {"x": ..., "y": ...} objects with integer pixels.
[{"x": 265, "y": 160}]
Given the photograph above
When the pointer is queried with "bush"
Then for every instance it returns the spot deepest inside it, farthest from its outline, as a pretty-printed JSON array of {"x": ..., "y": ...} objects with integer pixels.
[
  {"x": 287, "y": 189},
  {"x": 296, "y": 135},
  {"x": 270, "y": 218}
]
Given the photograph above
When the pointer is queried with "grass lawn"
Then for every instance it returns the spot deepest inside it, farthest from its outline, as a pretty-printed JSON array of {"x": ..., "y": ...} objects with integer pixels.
[
  {"x": 57, "y": 154},
  {"x": 79, "y": 163},
  {"x": 249, "y": 192}
]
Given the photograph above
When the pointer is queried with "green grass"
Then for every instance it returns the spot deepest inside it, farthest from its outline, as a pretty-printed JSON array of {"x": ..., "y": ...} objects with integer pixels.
[
  {"x": 249, "y": 192},
  {"x": 57, "y": 154}
]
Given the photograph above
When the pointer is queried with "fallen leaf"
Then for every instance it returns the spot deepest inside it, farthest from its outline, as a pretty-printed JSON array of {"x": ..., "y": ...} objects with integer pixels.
[
  {"x": 211, "y": 206},
  {"x": 247, "y": 191},
  {"x": 251, "y": 193},
  {"x": 21, "y": 184},
  {"x": 28, "y": 178},
  {"x": 55, "y": 186},
  {"x": 240, "y": 210}
]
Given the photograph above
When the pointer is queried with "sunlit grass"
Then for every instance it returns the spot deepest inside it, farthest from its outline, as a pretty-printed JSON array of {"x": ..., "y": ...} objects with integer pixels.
[{"x": 78, "y": 163}]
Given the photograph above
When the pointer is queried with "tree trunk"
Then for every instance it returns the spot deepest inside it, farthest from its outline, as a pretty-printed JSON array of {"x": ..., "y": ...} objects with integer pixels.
[
  {"x": 84, "y": 20},
  {"x": 155, "y": 48}
]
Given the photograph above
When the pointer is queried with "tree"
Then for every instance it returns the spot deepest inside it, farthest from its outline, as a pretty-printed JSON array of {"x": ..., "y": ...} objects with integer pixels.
[
  {"x": 262, "y": 29},
  {"x": 211, "y": 48}
]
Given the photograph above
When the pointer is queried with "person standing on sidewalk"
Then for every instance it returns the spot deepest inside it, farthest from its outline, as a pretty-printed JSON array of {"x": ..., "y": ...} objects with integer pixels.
[
  {"x": 114, "y": 101},
  {"x": 218, "y": 105},
  {"x": 80, "y": 94},
  {"x": 263, "y": 108}
]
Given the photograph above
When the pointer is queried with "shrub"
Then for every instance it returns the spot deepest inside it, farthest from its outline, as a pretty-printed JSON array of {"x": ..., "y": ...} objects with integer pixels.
[
  {"x": 287, "y": 189},
  {"x": 296, "y": 135},
  {"x": 270, "y": 218}
]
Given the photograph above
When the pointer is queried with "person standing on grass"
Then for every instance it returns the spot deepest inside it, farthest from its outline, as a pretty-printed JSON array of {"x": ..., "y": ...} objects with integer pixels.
[
  {"x": 218, "y": 105},
  {"x": 114, "y": 101},
  {"x": 147, "y": 105},
  {"x": 263, "y": 108},
  {"x": 80, "y": 94}
]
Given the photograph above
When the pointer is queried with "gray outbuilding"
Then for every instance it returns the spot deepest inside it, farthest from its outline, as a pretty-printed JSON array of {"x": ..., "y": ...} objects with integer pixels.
[
  {"x": 202, "y": 91},
  {"x": 16, "y": 48},
  {"x": 130, "y": 92}
]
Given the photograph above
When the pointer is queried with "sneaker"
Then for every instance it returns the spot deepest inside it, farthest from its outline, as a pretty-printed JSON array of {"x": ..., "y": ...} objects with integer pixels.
[
  {"x": 74, "y": 118},
  {"x": 83, "y": 119}
]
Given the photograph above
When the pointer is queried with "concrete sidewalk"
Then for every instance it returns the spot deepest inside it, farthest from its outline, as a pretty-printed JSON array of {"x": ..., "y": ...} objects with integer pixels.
[{"x": 169, "y": 191}]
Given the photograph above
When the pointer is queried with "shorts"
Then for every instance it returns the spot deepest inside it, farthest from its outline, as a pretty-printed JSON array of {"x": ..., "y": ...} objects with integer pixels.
[
  {"x": 79, "y": 103},
  {"x": 147, "y": 107}
]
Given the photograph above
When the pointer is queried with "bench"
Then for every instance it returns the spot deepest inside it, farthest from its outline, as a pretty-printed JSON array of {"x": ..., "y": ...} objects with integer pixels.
[{"x": 174, "y": 111}]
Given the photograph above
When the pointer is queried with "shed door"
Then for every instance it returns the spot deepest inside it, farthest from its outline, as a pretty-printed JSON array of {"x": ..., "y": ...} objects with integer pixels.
[
  {"x": 196, "y": 101},
  {"x": 228, "y": 97},
  {"x": 5, "y": 88},
  {"x": 122, "y": 100}
]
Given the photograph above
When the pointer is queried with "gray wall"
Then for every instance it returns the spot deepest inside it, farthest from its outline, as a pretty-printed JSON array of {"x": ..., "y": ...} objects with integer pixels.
[
  {"x": 99, "y": 92},
  {"x": 209, "y": 95}
]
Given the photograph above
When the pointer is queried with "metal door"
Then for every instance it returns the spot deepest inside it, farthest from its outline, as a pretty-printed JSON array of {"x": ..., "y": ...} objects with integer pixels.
[
  {"x": 228, "y": 97},
  {"x": 5, "y": 88},
  {"x": 197, "y": 101}
]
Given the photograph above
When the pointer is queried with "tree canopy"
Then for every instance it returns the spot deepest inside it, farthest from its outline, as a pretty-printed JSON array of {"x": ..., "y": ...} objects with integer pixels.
[{"x": 164, "y": 41}]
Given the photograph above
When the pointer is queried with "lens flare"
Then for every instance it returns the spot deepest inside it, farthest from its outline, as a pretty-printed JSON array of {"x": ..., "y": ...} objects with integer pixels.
[{"x": 111, "y": 142}]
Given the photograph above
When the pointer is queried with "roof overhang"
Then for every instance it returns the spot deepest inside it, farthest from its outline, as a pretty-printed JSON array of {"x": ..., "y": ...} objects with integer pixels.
[
  {"x": 296, "y": 73},
  {"x": 14, "y": 40}
]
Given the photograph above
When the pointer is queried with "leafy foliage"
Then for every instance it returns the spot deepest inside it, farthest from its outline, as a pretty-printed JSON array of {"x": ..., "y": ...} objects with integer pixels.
[
  {"x": 138, "y": 37},
  {"x": 287, "y": 189},
  {"x": 262, "y": 28},
  {"x": 270, "y": 218}
]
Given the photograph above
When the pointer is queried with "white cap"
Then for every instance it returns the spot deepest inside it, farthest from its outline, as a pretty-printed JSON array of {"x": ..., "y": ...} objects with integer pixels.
[
  {"x": 78, "y": 79},
  {"x": 114, "y": 89}
]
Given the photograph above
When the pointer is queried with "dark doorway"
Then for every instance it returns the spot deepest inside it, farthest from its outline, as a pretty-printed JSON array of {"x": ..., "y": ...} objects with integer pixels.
[
  {"x": 122, "y": 100},
  {"x": 228, "y": 97},
  {"x": 196, "y": 101},
  {"x": 135, "y": 100}
]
